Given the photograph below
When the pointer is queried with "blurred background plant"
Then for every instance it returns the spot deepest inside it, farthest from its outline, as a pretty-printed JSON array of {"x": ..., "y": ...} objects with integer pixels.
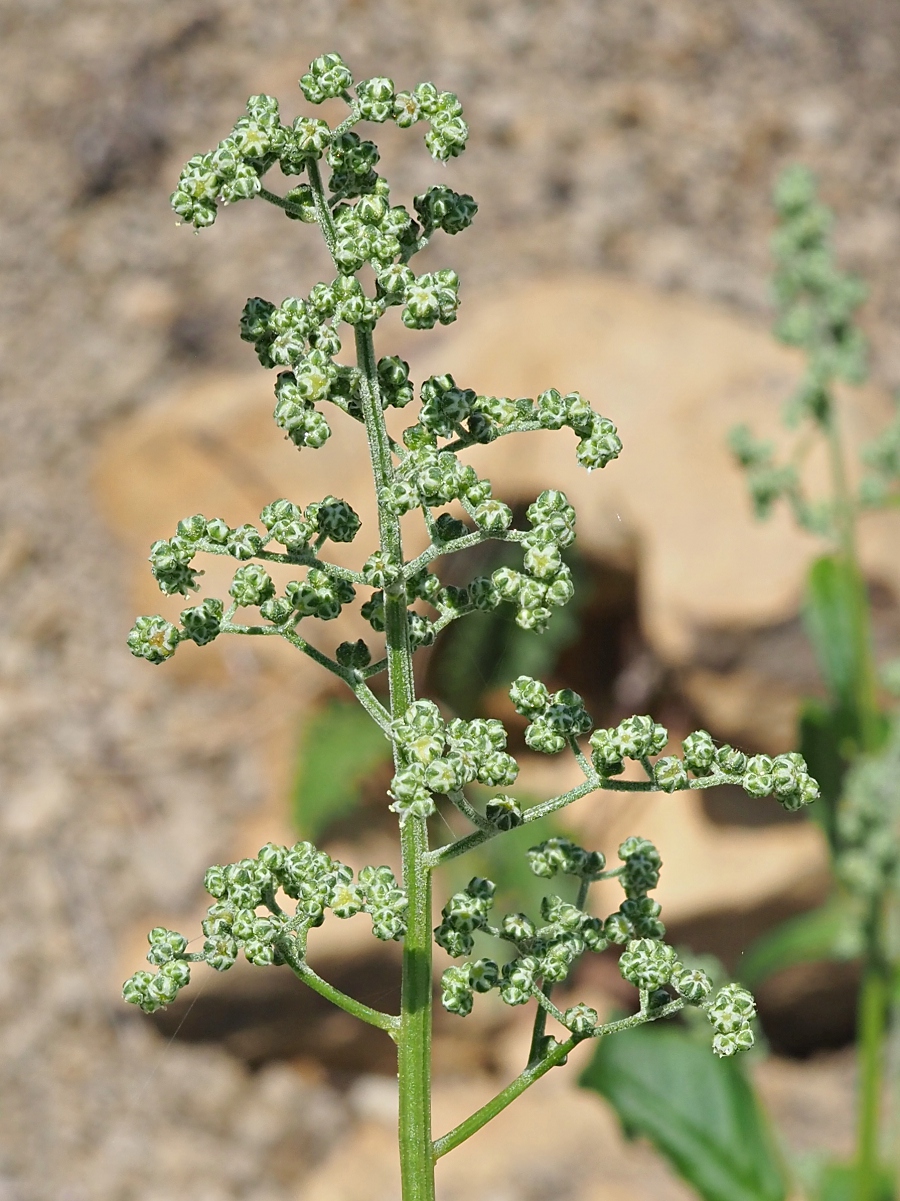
[{"x": 715, "y": 1132}]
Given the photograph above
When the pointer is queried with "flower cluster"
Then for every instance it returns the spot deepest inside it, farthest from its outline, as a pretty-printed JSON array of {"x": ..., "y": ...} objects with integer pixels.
[
  {"x": 817, "y": 301},
  {"x": 234, "y": 169},
  {"x": 785, "y": 776},
  {"x": 546, "y": 581},
  {"x": 654, "y": 968},
  {"x": 546, "y": 953},
  {"x": 232, "y": 923},
  {"x": 438, "y": 757},
  {"x": 869, "y": 860},
  {"x": 554, "y": 718}
]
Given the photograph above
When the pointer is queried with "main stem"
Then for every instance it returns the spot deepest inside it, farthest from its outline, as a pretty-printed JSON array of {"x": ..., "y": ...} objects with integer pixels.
[{"x": 414, "y": 1038}]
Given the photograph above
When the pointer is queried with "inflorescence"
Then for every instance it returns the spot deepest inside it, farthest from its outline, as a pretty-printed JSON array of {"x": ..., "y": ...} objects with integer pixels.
[{"x": 266, "y": 906}]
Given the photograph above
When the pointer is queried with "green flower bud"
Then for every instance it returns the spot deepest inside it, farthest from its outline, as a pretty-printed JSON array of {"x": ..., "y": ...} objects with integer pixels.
[
  {"x": 530, "y": 697},
  {"x": 637, "y": 737},
  {"x": 731, "y": 761},
  {"x": 580, "y": 1019},
  {"x": 504, "y": 812},
  {"x": 617, "y": 929},
  {"x": 456, "y": 993},
  {"x": 203, "y": 622},
  {"x": 699, "y": 752},
  {"x": 483, "y": 975},
  {"x": 244, "y": 542},
  {"x": 732, "y": 1008},
  {"x": 758, "y": 780},
  {"x": 165, "y": 945},
  {"x": 642, "y": 865},
  {"x": 669, "y": 774},
  {"x": 191, "y": 529},
  {"x": 153, "y": 639},
  {"x": 606, "y": 753},
  {"x": 355, "y": 655},
  {"x": 552, "y": 410},
  {"x": 375, "y": 99},
  {"x": 136, "y": 991},
  {"x": 647, "y": 964},
  {"x": 725, "y": 1045},
  {"x": 327, "y": 77},
  {"x": 454, "y": 941},
  {"x": 334, "y": 518},
  {"x": 251, "y": 585},
  {"x": 542, "y": 737},
  {"x": 498, "y": 769},
  {"x": 220, "y": 952},
  {"x": 692, "y": 984}
]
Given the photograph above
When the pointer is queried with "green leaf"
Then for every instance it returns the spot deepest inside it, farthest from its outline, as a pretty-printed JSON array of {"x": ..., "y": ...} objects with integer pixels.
[
  {"x": 838, "y": 1183},
  {"x": 700, "y": 1112},
  {"x": 836, "y": 614},
  {"x": 340, "y": 745},
  {"x": 807, "y": 938}
]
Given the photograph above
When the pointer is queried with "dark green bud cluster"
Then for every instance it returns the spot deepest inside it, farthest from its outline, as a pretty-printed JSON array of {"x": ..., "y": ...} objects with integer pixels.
[
  {"x": 430, "y": 298},
  {"x": 730, "y": 1013},
  {"x": 464, "y": 913},
  {"x": 785, "y": 776},
  {"x": 767, "y": 480},
  {"x": 647, "y": 964},
  {"x": 155, "y": 990},
  {"x": 638, "y": 915},
  {"x": 319, "y": 595},
  {"x": 869, "y": 860},
  {"x": 442, "y": 208},
  {"x": 385, "y": 901},
  {"x": 377, "y": 101},
  {"x": 439, "y": 758},
  {"x": 234, "y": 169},
  {"x": 310, "y": 877},
  {"x": 563, "y": 857},
  {"x": 633, "y": 738},
  {"x": 554, "y": 718},
  {"x": 546, "y": 952},
  {"x": 600, "y": 442},
  {"x": 546, "y": 581},
  {"x": 653, "y": 967},
  {"x": 202, "y": 623},
  {"x": 817, "y": 301}
]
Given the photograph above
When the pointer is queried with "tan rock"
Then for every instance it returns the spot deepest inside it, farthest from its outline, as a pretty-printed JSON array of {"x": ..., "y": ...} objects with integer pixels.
[{"x": 675, "y": 374}]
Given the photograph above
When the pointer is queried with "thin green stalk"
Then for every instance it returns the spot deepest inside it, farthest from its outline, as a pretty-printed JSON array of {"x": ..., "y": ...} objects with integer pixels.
[
  {"x": 472, "y": 1124},
  {"x": 556, "y": 1055},
  {"x": 374, "y": 1017}
]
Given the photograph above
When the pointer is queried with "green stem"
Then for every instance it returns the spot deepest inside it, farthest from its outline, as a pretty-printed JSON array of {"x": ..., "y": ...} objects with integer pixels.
[
  {"x": 374, "y": 1017},
  {"x": 555, "y": 1056},
  {"x": 414, "y": 1037},
  {"x": 872, "y": 1026}
]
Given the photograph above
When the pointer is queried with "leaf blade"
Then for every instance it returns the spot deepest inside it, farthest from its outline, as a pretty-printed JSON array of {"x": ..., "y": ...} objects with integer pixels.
[{"x": 699, "y": 1112}]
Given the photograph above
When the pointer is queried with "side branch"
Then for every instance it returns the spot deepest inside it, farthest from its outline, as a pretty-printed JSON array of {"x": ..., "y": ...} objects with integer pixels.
[
  {"x": 468, "y": 843},
  {"x": 554, "y": 1057},
  {"x": 475, "y": 538},
  {"x": 374, "y": 1017},
  {"x": 352, "y": 679}
]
